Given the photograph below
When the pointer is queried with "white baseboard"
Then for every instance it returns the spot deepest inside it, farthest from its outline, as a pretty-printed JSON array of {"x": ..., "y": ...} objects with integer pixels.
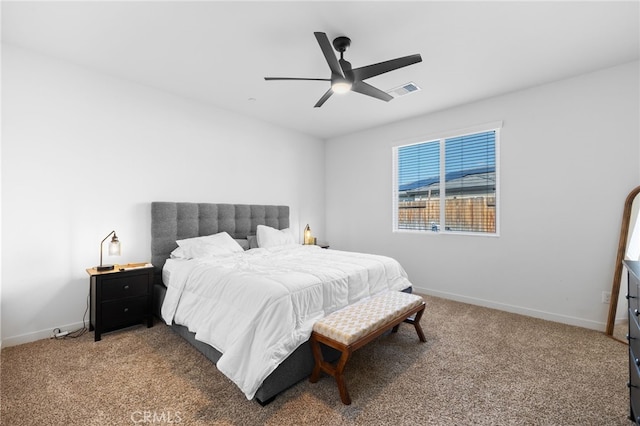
[
  {"x": 564, "y": 319},
  {"x": 39, "y": 335}
]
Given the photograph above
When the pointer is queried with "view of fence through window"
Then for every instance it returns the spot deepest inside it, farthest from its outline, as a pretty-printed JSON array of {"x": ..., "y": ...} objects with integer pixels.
[{"x": 467, "y": 200}]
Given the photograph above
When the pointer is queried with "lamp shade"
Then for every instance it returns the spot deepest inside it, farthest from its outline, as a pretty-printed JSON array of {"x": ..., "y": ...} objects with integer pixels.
[{"x": 114, "y": 247}]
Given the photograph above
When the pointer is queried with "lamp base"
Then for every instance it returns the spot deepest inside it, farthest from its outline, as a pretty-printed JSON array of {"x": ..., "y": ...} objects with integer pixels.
[{"x": 105, "y": 267}]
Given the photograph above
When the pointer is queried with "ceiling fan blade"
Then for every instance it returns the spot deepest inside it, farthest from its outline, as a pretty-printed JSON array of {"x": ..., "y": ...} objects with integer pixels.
[
  {"x": 327, "y": 50},
  {"x": 346, "y": 69},
  {"x": 369, "y": 90},
  {"x": 296, "y": 78},
  {"x": 324, "y": 98},
  {"x": 368, "y": 71}
]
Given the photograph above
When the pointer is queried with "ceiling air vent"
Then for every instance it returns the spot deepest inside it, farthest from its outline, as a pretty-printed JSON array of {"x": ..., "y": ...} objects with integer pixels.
[{"x": 405, "y": 89}]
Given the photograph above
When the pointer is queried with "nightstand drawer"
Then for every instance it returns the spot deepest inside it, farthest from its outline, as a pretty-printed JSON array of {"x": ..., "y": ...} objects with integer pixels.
[
  {"x": 124, "y": 311},
  {"x": 633, "y": 296},
  {"x": 634, "y": 333},
  {"x": 125, "y": 286}
]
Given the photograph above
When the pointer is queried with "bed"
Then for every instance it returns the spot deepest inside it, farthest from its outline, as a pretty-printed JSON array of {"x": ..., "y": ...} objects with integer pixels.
[{"x": 176, "y": 221}]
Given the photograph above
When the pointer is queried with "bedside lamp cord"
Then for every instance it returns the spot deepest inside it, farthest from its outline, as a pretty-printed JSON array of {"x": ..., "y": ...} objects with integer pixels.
[{"x": 75, "y": 333}]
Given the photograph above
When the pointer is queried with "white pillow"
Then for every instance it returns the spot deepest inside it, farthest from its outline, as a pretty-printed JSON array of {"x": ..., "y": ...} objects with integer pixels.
[
  {"x": 271, "y": 237},
  {"x": 197, "y": 251},
  {"x": 209, "y": 245},
  {"x": 221, "y": 240}
]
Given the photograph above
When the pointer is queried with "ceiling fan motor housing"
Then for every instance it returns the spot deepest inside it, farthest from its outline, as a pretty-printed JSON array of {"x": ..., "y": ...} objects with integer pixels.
[{"x": 341, "y": 43}]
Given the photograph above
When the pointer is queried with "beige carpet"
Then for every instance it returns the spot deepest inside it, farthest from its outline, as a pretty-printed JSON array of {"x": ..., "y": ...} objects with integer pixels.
[{"x": 479, "y": 366}]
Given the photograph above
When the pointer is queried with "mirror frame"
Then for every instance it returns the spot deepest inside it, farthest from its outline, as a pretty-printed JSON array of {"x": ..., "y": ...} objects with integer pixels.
[{"x": 622, "y": 247}]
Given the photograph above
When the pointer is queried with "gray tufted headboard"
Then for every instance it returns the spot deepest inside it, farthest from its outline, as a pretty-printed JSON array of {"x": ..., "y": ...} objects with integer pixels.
[{"x": 175, "y": 221}]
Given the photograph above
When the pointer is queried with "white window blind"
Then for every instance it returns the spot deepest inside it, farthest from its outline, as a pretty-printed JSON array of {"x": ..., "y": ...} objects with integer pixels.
[{"x": 448, "y": 184}]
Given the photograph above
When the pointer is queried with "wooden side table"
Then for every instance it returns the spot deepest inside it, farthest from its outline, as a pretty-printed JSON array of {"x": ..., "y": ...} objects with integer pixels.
[{"x": 120, "y": 298}]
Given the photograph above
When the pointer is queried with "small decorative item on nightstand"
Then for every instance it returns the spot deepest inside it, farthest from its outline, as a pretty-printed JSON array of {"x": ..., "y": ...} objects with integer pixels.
[
  {"x": 120, "y": 297},
  {"x": 308, "y": 239}
]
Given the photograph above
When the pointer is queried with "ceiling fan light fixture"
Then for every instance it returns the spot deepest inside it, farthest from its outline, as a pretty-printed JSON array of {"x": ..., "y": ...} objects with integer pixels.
[{"x": 341, "y": 86}]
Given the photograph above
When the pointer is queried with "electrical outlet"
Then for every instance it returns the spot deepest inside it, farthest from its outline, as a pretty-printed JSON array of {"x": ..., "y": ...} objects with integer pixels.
[{"x": 606, "y": 297}]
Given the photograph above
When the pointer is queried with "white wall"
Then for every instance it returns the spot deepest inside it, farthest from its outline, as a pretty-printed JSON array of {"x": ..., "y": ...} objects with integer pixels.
[
  {"x": 84, "y": 154},
  {"x": 569, "y": 155}
]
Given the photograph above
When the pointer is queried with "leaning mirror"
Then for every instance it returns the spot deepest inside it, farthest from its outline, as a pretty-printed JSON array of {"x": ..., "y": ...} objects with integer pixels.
[{"x": 628, "y": 248}]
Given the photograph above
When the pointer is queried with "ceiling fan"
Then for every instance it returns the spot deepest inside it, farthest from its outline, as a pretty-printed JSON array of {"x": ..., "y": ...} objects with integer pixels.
[{"x": 344, "y": 78}]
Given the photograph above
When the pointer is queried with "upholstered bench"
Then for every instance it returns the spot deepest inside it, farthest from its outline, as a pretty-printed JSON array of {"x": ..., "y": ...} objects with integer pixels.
[{"x": 354, "y": 326}]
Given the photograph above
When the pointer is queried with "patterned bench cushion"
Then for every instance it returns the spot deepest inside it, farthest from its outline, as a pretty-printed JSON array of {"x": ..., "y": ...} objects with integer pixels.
[{"x": 355, "y": 321}]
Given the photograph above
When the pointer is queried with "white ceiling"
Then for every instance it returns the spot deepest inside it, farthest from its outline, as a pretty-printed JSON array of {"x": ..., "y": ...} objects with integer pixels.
[{"x": 219, "y": 52}]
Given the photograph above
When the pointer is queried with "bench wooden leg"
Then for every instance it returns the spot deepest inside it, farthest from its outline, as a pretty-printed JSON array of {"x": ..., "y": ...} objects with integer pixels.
[
  {"x": 336, "y": 371},
  {"x": 416, "y": 323},
  {"x": 342, "y": 386}
]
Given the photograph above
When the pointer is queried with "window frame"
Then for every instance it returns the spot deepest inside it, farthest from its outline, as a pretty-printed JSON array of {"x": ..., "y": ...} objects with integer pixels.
[{"x": 440, "y": 138}]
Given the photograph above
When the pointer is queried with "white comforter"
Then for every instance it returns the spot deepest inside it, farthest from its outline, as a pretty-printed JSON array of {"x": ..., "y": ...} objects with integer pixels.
[{"x": 257, "y": 307}]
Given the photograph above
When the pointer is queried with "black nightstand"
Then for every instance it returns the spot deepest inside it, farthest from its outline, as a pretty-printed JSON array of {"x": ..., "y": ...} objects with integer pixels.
[{"x": 120, "y": 298}]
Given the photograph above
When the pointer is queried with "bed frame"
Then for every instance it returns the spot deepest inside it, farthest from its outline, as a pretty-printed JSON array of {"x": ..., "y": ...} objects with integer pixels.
[{"x": 171, "y": 221}]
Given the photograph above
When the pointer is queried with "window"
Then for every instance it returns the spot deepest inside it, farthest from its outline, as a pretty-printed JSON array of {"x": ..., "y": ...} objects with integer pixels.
[{"x": 448, "y": 184}]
